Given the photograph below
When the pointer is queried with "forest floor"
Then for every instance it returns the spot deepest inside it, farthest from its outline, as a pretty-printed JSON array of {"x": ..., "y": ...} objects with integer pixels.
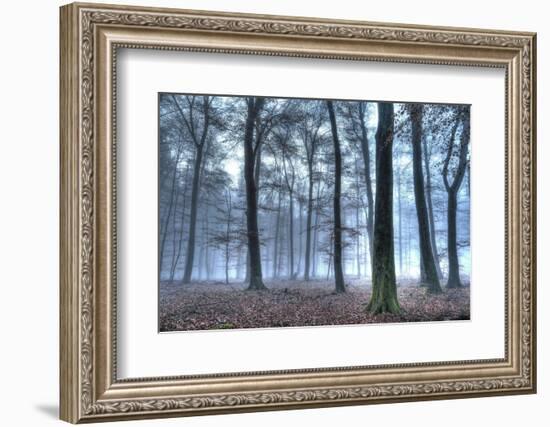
[{"x": 215, "y": 305}]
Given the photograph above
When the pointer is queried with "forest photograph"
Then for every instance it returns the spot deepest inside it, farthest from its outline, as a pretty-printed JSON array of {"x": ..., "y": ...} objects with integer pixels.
[{"x": 286, "y": 212}]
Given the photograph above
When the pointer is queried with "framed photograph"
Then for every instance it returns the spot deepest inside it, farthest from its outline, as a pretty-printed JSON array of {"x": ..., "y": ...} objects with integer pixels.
[{"x": 267, "y": 212}]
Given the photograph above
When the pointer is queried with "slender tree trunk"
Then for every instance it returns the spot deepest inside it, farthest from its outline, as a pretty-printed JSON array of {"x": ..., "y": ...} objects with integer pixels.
[
  {"x": 358, "y": 244},
  {"x": 206, "y": 246},
  {"x": 281, "y": 247},
  {"x": 300, "y": 236},
  {"x": 174, "y": 235},
  {"x": 368, "y": 181},
  {"x": 409, "y": 236},
  {"x": 432, "y": 279},
  {"x": 400, "y": 212},
  {"x": 180, "y": 237},
  {"x": 276, "y": 239},
  {"x": 169, "y": 213},
  {"x": 433, "y": 239},
  {"x": 227, "y": 252},
  {"x": 314, "y": 246},
  {"x": 338, "y": 271},
  {"x": 452, "y": 192},
  {"x": 357, "y": 224},
  {"x": 366, "y": 254},
  {"x": 226, "y": 263},
  {"x": 384, "y": 288},
  {"x": 174, "y": 227},
  {"x": 316, "y": 232},
  {"x": 308, "y": 221},
  {"x": 291, "y": 235},
  {"x": 329, "y": 267},
  {"x": 255, "y": 281},
  {"x": 199, "y": 143},
  {"x": 454, "y": 276},
  {"x": 240, "y": 259},
  {"x": 199, "y": 264}
]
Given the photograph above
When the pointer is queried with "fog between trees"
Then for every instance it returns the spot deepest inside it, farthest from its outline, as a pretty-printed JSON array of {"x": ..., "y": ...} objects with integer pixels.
[{"x": 258, "y": 190}]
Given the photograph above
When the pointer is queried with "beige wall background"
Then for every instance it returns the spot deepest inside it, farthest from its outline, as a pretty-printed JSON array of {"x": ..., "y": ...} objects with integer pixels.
[{"x": 29, "y": 170}]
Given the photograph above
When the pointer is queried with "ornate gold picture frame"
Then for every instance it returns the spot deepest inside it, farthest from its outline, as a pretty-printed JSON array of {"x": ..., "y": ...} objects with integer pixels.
[{"x": 90, "y": 36}]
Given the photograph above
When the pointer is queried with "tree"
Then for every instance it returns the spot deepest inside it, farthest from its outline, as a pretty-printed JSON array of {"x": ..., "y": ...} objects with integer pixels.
[
  {"x": 384, "y": 288},
  {"x": 272, "y": 114},
  {"x": 225, "y": 237},
  {"x": 195, "y": 115},
  {"x": 399, "y": 173},
  {"x": 173, "y": 195},
  {"x": 427, "y": 259},
  {"x": 277, "y": 228},
  {"x": 426, "y": 151},
  {"x": 309, "y": 129},
  {"x": 319, "y": 203},
  {"x": 454, "y": 168},
  {"x": 289, "y": 174},
  {"x": 357, "y": 115},
  {"x": 177, "y": 254},
  {"x": 254, "y": 106},
  {"x": 338, "y": 272}
]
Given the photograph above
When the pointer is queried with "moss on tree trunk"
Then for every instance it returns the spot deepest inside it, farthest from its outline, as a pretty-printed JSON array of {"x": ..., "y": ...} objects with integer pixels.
[{"x": 384, "y": 289}]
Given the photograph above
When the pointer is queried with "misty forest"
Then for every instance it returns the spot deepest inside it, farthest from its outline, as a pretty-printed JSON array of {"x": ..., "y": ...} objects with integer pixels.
[{"x": 303, "y": 212}]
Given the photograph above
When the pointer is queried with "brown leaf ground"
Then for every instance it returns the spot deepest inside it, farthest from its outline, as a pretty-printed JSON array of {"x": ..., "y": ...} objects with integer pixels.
[{"x": 215, "y": 305}]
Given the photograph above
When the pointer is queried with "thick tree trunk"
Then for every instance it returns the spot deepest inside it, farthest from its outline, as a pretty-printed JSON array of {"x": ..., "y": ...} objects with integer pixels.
[
  {"x": 255, "y": 280},
  {"x": 432, "y": 278},
  {"x": 384, "y": 289},
  {"x": 433, "y": 239},
  {"x": 190, "y": 254},
  {"x": 423, "y": 276},
  {"x": 247, "y": 270},
  {"x": 338, "y": 271},
  {"x": 257, "y": 169}
]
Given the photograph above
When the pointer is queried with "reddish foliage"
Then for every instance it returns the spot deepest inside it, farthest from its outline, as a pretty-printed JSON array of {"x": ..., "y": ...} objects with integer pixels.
[{"x": 215, "y": 305}]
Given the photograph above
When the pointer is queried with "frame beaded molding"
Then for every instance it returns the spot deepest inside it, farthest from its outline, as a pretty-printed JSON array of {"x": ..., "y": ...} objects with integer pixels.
[{"x": 89, "y": 17}]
